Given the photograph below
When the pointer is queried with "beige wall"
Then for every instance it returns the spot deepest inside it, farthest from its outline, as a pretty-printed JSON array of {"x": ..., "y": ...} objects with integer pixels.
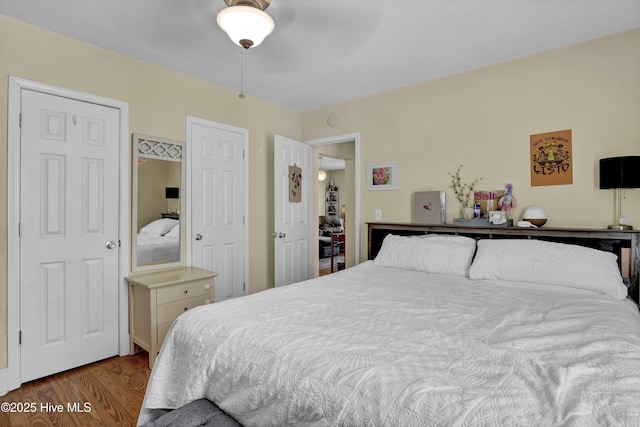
[
  {"x": 159, "y": 101},
  {"x": 482, "y": 119}
]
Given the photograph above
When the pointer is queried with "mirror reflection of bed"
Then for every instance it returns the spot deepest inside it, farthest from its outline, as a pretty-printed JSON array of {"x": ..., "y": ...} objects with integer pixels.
[
  {"x": 159, "y": 242},
  {"x": 157, "y": 201},
  {"x": 331, "y": 241}
]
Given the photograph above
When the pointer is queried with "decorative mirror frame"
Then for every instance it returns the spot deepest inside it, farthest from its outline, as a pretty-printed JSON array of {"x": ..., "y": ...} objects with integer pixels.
[{"x": 151, "y": 147}]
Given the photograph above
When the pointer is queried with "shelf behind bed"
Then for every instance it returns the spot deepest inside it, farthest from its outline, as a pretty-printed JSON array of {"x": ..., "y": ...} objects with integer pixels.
[{"x": 624, "y": 243}]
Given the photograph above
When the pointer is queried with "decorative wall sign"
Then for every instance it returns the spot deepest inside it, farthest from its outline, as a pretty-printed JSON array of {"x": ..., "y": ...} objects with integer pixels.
[
  {"x": 551, "y": 158},
  {"x": 382, "y": 176},
  {"x": 295, "y": 184}
]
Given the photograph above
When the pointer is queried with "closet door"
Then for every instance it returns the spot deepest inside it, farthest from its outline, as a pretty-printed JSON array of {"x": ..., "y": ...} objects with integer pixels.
[
  {"x": 69, "y": 210},
  {"x": 217, "y": 204}
]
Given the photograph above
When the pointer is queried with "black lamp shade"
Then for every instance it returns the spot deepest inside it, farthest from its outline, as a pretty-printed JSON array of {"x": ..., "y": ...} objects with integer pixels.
[
  {"x": 172, "y": 193},
  {"x": 620, "y": 172}
]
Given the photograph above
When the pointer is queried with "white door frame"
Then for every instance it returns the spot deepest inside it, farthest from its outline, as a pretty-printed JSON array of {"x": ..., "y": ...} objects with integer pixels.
[
  {"x": 245, "y": 149},
  {"x": 10, "y": 376},
  {"x": 355, "y": 137}
]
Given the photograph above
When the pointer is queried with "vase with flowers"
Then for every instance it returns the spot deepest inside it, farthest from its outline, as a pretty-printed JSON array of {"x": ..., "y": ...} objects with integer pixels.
[{"x": 464, "y": 192}]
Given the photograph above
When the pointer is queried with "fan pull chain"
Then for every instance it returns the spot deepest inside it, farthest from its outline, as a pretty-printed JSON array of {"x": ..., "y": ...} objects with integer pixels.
[{"x": 242, "y": 61}]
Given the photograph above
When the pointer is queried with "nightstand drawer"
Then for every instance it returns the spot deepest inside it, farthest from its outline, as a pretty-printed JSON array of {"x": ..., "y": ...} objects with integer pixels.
[
  {"x": 183, "y": 291},
  {"x": 168, "y": 312}
]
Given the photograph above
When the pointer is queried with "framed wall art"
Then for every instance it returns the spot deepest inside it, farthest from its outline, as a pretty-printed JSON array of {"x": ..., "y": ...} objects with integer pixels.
[
  {"x": 295, "y": 184},
  {"x": 382, "y": 176},
  {"x": 429, "y": 207},
  {"x": 551, "y": 158}
]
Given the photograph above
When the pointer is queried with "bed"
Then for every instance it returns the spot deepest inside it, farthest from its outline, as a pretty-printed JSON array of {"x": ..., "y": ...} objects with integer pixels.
[
  {"x": 158, "y": 242},
  {"x": 442, "y": 326}
]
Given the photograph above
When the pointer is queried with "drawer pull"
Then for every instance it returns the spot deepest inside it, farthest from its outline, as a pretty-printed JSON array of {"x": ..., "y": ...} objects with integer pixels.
[
  {"x": 186, "y": 308},
  {"x": 207, "y": 286},
  {"x": 186, "y": 291}
]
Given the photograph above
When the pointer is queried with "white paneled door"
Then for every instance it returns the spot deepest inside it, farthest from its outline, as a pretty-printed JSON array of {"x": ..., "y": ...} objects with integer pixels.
[
  {"x": 69, "y": 213},
  {"x": 217, "y": 200},
  {"x": 292, "y": 219}
]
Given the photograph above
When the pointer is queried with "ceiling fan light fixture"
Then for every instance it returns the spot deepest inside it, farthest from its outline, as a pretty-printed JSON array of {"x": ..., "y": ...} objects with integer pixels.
[{"x": 246, "y": 26}]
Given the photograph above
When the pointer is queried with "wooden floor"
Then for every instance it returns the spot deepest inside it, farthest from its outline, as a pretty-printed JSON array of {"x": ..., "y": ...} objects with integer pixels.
[
  {"x": 324, "y": 266},
  {"x": 109, "y": 393}
]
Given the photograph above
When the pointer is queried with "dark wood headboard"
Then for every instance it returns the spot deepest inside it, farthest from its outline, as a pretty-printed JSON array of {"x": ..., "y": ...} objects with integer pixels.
[{"x": 625, "y": 244}]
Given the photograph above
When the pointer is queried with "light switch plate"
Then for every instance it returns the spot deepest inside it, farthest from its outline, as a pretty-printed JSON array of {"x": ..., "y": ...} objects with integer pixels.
[{"x": 378, "y": 215}]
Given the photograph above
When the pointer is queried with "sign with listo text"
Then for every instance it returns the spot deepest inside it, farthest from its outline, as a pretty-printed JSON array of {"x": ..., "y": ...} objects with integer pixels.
[{"x": 551, "y": 158}]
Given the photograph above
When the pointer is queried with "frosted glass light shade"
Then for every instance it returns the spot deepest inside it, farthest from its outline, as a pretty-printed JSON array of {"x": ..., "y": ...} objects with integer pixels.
[
  {"x": 535, "y": 215},
  {"x": 322, "y": 175},
  {"x": 245, "y": 25}
]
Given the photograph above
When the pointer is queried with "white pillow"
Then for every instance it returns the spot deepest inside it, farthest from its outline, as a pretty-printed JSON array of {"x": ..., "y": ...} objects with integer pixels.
[
  {"x": 175, "y": 232},
  {"x": 438, "y": 254},
  {"x": 159, "y": 227},
  {"x": 537, "y": 261}
]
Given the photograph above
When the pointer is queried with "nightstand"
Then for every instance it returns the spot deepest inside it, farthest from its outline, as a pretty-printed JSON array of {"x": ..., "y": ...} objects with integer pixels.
[
  {"x": 157, "y": 298},
  {"x": 172, "y": 215}
]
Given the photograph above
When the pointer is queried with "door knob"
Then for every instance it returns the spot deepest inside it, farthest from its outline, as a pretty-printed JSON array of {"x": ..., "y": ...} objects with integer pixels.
[
  {"x": 110, "y": 244},
  {"x": 199, "y": 236},
  {"x": 282, "y": 235}
]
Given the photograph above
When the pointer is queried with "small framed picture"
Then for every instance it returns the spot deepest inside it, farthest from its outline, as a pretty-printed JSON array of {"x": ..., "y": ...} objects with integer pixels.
[
  {"x": 382, "y": 176},
  {"x": 429, "y": 207}
]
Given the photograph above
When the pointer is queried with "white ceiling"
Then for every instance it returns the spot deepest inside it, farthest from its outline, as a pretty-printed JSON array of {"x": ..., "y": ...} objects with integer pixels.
[{"x": 330, "y": 51}]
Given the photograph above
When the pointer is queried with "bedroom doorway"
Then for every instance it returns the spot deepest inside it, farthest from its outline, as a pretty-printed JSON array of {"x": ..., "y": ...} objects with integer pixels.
[
  {"x": 332, "y": 197},
  {"x": 347, "y": 248},
  {"x": 66, "y": 262}
]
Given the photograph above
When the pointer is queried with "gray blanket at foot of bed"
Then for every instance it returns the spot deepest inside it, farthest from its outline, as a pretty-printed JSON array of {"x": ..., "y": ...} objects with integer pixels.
[{"x": 201, "y": 412}]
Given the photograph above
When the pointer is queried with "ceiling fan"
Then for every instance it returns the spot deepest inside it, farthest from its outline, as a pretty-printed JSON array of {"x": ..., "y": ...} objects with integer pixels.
[
  {"x": 246, "y": 22},
  {"x": 334, "y": 29}
]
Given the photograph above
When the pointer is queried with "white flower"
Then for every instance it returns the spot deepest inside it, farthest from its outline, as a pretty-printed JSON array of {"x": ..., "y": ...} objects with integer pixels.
[{"x": 463, "y": 191}]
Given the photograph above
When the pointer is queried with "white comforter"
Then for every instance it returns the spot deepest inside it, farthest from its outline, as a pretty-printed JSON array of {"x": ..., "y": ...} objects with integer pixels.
[
  {"x": 153, "y": 249},
  {"x": 382, "y": 346}
]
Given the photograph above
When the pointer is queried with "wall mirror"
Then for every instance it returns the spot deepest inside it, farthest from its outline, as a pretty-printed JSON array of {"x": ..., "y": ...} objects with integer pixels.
[{"x": 158, "y": 203}]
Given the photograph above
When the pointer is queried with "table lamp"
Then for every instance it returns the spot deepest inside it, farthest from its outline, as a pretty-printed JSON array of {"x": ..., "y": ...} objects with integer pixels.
[
  {"x": 171, "y": 193},
  {"x": 618, "y": 173}
]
